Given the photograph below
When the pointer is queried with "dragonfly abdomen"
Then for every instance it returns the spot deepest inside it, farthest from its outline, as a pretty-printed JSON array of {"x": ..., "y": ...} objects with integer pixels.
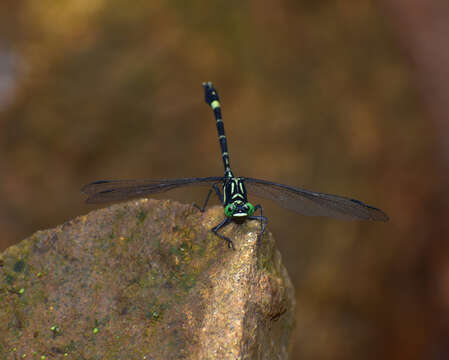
[{"x": 212, "y": 99}]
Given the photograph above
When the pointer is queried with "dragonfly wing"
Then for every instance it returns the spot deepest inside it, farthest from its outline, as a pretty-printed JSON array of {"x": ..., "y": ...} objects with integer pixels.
[
  {"x": 103, "y": 191},
  {"x": 314, "y": 203}
]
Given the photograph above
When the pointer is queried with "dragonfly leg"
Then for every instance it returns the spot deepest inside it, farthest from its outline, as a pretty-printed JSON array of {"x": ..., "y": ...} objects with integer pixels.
[
  {"x": 263, "y": 220},
  {"x": 217, "y": 191},
  {"x": 215, "y": 229}
]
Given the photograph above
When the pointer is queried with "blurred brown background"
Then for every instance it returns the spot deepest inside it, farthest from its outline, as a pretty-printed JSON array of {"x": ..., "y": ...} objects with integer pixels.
[{"x": 347, "y": 97}]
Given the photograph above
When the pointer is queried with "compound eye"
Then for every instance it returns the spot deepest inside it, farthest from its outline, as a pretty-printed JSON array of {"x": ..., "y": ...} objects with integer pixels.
[
  {"x": 229, "y": 210},
  {"x": 250, "y": 208}
]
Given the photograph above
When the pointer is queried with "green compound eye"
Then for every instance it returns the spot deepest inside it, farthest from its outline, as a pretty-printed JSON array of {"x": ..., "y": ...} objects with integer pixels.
[
  {"x": 229, "y": 210},
  {"x": 251, "y": 208}
]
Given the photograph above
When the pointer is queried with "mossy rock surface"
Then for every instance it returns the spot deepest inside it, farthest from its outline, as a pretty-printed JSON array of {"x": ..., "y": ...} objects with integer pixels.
[{"x": 145, "y": 280}]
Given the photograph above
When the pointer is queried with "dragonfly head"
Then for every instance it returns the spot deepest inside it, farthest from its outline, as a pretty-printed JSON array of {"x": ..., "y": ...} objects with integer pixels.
[{"x": 239, "y": 210}]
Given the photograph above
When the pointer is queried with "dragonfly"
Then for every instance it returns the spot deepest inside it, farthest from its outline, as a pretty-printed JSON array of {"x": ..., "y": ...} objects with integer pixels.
[{"x": 233, "y": 191}]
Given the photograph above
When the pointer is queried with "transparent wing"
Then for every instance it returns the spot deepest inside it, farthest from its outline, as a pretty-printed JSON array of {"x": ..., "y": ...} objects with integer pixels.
[
  {"x": 116, "y": 190},
  {"x": 314, "y": 203}
]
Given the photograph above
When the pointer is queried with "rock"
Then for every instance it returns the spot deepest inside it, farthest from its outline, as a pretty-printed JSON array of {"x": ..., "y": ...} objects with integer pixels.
[{"x": 145, "y": 280}]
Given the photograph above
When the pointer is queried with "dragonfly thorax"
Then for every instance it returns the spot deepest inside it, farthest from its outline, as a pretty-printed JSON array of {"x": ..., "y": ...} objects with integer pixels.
[
  {"x": 234, "y": 191},
  {"x": 235, "y": 201}
]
